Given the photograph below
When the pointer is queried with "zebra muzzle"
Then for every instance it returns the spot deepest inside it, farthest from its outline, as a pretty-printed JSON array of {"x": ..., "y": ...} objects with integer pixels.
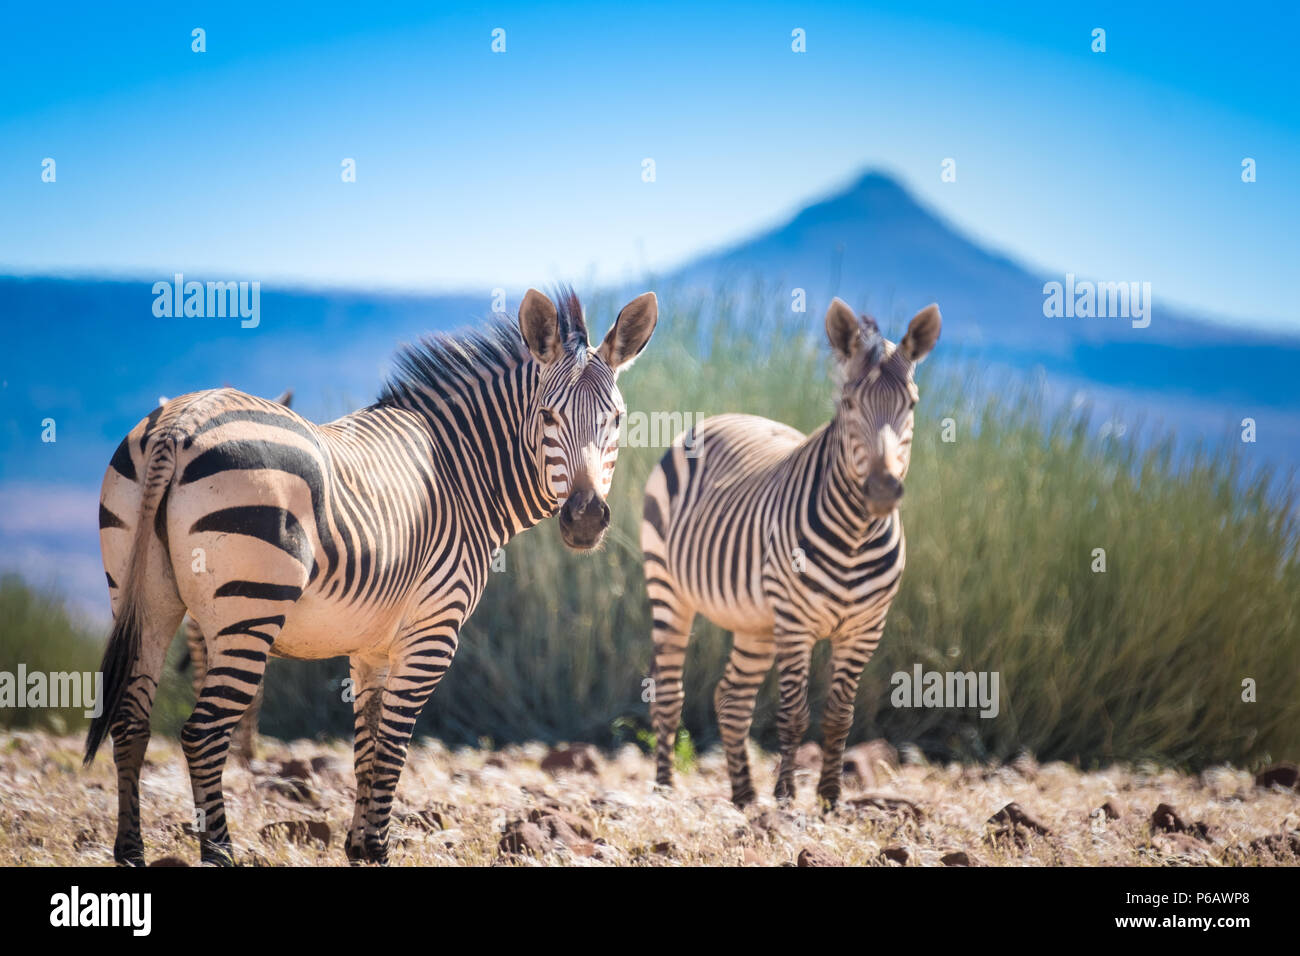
[
  {"x": 883, "y": 492},
  {"x": 583, "y": 519}
]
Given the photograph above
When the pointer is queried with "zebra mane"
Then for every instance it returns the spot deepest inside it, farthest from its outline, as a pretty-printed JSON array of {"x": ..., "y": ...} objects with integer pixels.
[
  {"x": 442, "y": 359},
  {"x": 439, "y": 360}
]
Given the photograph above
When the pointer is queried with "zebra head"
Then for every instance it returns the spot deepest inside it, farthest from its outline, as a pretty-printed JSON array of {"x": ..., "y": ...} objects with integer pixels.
[
  {"x": 878, "y": 398},
  {"x": 576, "y": 409}
]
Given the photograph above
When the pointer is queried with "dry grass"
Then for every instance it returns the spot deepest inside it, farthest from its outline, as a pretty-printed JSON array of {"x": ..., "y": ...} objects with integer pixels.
[{"x": 53, "y": 812}]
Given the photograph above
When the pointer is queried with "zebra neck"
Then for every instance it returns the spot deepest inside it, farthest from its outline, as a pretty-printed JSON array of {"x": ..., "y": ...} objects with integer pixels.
[
  {"x": 477, "y": 430},
  {"x": 839, "y": 500}
]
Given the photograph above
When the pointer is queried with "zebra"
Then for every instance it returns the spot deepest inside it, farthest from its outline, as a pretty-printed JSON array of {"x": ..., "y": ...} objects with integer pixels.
[
  {"x": 371, "y": 536},
  {"x": 785, "y": 539},
  {"x": 195, "y": 660}
]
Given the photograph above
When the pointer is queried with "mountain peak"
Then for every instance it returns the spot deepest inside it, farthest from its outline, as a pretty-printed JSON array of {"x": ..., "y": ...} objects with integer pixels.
[{"x": 873, "y": 197}]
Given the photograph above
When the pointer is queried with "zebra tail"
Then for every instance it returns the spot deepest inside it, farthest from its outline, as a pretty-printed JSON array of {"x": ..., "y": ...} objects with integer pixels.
[{"x": 123, "y": 648}]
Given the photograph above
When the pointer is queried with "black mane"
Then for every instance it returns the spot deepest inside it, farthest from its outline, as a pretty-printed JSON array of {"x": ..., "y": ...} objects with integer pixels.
[{"x": 442, "y": 359}]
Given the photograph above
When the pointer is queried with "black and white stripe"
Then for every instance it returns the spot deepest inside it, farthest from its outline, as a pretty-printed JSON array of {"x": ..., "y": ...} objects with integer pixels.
[
  {"x": 785, "y": 540},
  {"x": 370, "y": 537}
]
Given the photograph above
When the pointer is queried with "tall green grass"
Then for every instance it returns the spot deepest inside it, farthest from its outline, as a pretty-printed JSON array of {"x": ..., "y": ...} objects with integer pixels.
[
  {"x": 1146, "y": 660},
  {"x": 1201, "y": 589}
]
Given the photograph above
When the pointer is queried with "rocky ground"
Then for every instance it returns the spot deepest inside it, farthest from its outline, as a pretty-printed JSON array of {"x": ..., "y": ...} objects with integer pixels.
[{"x": 534, "y": 805}]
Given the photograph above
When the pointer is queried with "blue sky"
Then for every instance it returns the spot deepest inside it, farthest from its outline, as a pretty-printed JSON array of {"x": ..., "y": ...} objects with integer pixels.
[{"x": 478, "y": 169}]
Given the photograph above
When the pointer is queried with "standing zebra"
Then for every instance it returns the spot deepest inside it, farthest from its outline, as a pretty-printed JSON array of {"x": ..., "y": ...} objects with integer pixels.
[
  {"x": 785, "y": 540},
  {"x": 371, "y": 537}
]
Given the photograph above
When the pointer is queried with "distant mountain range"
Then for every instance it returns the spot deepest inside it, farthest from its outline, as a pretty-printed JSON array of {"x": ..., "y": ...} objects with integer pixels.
[{"x": 93, "y": 357}]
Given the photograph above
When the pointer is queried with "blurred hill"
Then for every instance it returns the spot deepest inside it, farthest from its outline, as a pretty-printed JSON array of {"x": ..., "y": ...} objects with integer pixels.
[{"x": 91, "y": 355}]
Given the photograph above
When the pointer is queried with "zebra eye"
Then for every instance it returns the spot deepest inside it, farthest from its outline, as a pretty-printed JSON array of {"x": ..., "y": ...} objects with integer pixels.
[
  {"x": 548, "y": 417},
  {"x": 616, "y": 420}
]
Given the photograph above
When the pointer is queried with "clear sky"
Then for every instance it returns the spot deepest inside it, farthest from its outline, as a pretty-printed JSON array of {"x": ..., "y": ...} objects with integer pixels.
[{"x": 477, "y": 168}]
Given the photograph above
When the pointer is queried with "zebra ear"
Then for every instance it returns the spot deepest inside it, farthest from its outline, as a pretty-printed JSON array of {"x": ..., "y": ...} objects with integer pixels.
[
  {"x": 922, "y": 333},
  {"x": 843, "y": 329},
  {"x": 630, "y": 332},
  {"x": 539, "y": 325},
  {"x": 285, "y": 398}
]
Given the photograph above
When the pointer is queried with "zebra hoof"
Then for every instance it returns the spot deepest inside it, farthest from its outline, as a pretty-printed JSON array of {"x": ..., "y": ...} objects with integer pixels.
[
  {"x": 214, "y": 854},
  {"x": 128, "y": 851},
  {"x": 828, "y": 801},
  {"x": 369, "y": 852}
]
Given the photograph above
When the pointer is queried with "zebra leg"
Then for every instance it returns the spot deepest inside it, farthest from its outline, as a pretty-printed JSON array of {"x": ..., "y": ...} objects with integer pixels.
[
  {"x": 733, "y": 701},
  {"x": 671, "y": 633},
  {"x": 416, "y": 671},
  {"x": 848, "y": 660},
  {"x": 793, "y": 657},
  {"x": 198, "y": 650},
  {"x": 367, "y": 687},
  {"x": 237, "y": 662},
  {"x": 130, "y": 730}
]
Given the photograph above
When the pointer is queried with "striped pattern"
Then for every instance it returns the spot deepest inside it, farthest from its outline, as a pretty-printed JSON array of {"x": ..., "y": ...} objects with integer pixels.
[
  {"x": 785, "y": 540},
  {"x": 243, "y": 741},
  {"x": 369, "y": 537}
]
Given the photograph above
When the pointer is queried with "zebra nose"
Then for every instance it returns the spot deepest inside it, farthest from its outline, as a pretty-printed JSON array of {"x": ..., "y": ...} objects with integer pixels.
[
  {"x": 884, "y": 488},
  {"x": 585, "y": 508}
]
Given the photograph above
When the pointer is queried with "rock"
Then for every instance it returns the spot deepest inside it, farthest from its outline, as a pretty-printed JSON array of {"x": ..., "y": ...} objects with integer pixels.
[
  {"x": 891, "y": 805},
  {"x": 169, "y": 861},
  {"x": 578, "y": 758},
  {"x": 1014, "y": 816},
  {"x": 815, "y": 856},
  {"x": 556, "y": 827},
  {"x": 557, "y": 821},
  {"x": 665, "y": 848},
  {"x": 300, "y": 832},
  {"x": 299, "y": 791},
  {"x": 590, "y": 850},
  {"x": 324, "y": 764},
  {"x": 1278, "y": 844},
  {"x": 523, "y": 836},
  {"x": 1285, "y": 775},
  {"x": 749, "y": 857},
  {"x": 295, "y": 770},
  {"x": 1166, "y": 820},
  {"x": 1114, "y": 808},
  {"x": 896, "y": 853},
  {"x": 427, "y": 820},
  {"x": 808, "y": 757},
  {"x": 863, "y": 763},
  {"x": 959, "y": 858}
]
